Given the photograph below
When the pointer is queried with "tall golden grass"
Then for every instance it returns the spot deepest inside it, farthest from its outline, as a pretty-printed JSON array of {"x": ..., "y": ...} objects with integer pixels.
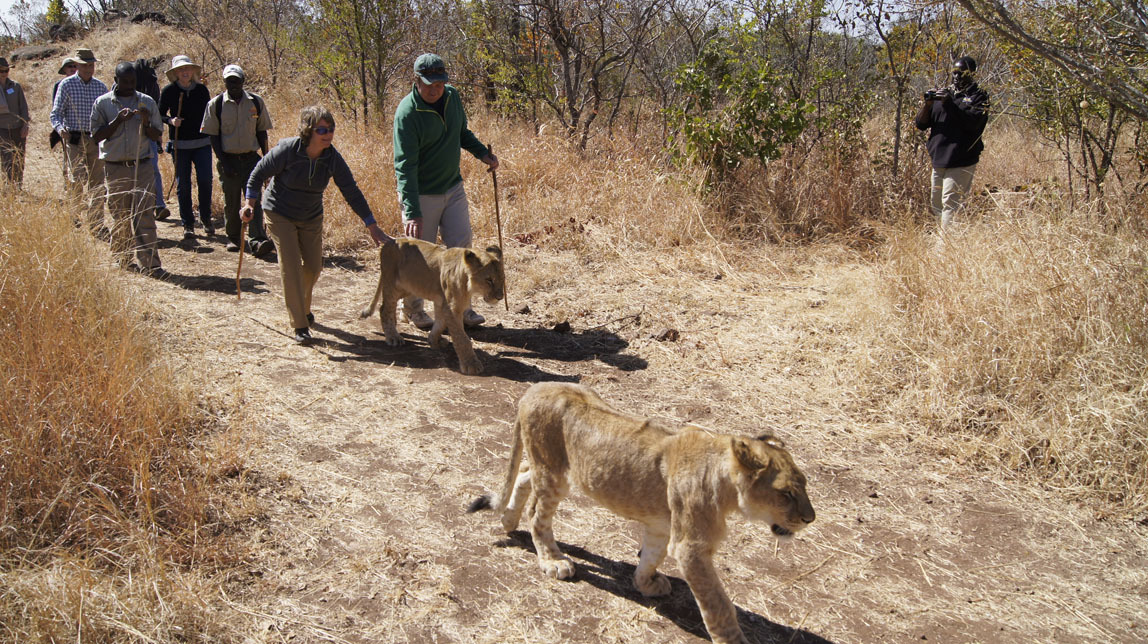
[
  {"x": 1023, "y": 342},
  {"x": 104, "y": 496}
]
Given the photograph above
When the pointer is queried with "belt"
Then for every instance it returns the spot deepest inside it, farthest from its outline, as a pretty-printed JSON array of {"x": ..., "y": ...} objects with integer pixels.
[{"x": 131, "y": 163}]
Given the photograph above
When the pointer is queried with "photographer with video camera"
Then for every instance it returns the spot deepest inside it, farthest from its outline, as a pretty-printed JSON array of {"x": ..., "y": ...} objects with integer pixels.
[{"x": 956, "y": 117}]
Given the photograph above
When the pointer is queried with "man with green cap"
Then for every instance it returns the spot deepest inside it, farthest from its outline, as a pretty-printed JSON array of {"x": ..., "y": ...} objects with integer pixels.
[{"x": 430, "y": 133}]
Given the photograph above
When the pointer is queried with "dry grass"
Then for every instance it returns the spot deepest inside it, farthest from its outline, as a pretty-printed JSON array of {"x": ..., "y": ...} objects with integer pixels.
[
  {"x": 1024, "y": 342},
  {"x": 104, "y": 497}
]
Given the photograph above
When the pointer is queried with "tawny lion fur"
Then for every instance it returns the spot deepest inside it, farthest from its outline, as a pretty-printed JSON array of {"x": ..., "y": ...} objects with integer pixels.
[
  {"x": 445, "y": 276},
  {"x": 680, "y": 482}
]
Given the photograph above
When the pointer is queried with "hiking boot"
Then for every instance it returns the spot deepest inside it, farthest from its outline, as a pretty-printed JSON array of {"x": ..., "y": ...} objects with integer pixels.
[
  {"x": 303, "y": 336},
  {"x": 310, "y": 318},
  {"x": 261, "y": 247},
  {"x": 188, "y": 233},
  {"x": 470, "y": 319},
  {"x": 232, "y": 247},
  {"x": 208, "y": 227},
  {"x": 162, "y": 213},
  {"x": 420, "y": 319}
]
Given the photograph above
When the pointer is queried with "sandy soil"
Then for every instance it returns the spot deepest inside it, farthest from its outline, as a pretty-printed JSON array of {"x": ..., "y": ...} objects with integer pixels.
[{"x": 363, "y": 457}]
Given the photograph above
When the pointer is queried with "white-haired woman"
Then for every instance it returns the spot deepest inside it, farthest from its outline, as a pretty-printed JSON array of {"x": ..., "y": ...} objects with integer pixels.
[{"x": 299, "y": 169}]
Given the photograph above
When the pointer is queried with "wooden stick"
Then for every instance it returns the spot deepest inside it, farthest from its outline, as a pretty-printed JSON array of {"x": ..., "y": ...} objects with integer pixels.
[
  {"x": 242, "y": 244},
  {"x": 498, "y": 222},
  {"x": 174, "y": 165}
]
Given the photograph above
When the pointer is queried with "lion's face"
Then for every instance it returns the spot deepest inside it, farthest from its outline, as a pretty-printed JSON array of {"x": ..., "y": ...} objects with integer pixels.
[
  {"x": 770, "y": 486},
  {"x": 486, "y": 276}
]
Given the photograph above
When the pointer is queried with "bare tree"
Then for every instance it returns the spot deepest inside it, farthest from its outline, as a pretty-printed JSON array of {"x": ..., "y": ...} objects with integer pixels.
[{"x": 1112, "y": 63}]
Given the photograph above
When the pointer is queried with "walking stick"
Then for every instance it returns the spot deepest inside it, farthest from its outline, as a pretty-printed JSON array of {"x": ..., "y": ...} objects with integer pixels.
[
  {"x": 174, "y": 151},
  {"x": 498, "y": 222},
  {"x": 242, "y": 243}
]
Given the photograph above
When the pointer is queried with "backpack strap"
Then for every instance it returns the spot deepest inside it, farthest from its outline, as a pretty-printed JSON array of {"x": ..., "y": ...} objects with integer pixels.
[{"x": 254, "y": 99}]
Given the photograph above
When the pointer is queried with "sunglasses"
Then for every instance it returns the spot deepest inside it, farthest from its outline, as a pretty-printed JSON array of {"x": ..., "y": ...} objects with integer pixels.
[
  {"x": 434, "y": 71},
  {"x": 321, "y": 130},
  {"x": 3, "y": 71}
]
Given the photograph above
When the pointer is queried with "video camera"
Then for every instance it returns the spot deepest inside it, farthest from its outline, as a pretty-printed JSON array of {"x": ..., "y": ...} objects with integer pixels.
[{"x": 937, "y": 93}]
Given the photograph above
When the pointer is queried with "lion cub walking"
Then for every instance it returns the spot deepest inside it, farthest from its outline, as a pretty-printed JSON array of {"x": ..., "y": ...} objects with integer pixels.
[
  {"x": 680, "y": 482},
  {"x": 445, "y": 276}
]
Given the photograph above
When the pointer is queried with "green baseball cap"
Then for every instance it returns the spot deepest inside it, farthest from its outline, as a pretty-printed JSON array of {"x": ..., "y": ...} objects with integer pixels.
[{"x": 430, "y": 69}]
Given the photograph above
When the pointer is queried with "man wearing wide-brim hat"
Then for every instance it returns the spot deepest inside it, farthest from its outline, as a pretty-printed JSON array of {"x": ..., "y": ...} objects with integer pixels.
[
  {"x": 14, "y": 122},
  {"x": 67, "y": 68},
  {"x": 72, "y": 118}
]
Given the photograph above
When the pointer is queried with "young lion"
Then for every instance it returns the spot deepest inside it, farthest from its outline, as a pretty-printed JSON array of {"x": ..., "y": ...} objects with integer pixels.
[
  {"x": 445, "y": 276},
  {"x": 680, "y": 482}
]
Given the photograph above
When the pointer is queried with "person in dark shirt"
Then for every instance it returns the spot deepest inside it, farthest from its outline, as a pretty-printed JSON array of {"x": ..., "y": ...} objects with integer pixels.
[
  {"x": 181, "y": 106},
  {"x": 300, "y": 169},
  {"x": 955, "y": 117}
]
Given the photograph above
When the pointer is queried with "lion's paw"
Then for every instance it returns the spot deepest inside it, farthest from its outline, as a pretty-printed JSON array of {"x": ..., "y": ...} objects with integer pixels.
[
  {"x": 656, "y": 586},
  {"x": 509, "y": 523},
  {"x": 558, "y": 568},
  {"x": 394, "y": 340},
  {"x": 470, "y": 367}
]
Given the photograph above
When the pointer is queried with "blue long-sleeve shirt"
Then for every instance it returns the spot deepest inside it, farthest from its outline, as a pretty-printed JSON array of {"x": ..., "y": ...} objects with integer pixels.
[{"x": 297, "y": 182}]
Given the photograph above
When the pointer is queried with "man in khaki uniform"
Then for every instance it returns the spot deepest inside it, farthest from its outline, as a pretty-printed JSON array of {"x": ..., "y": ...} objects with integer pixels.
[
  {"x": 237, "y": 122},
  {"x": 14, "y": 121},
  {"x": 72, "y": 118},
  {"x": 124, "y": 122}
]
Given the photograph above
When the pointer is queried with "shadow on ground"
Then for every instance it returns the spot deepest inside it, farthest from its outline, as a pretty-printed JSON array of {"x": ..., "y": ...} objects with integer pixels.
[
  {"x": 546, "y": 344},
  {"x": 416, "y": 353},
  {"x": 679, "y": 607},
  {"x": 216, "y": 284}
]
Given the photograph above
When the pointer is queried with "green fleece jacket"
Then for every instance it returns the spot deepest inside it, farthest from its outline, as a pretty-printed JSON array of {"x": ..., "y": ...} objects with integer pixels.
[{"x": 428, "y": 148}]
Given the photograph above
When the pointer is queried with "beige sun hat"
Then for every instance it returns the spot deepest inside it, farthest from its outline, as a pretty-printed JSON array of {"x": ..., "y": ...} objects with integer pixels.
[
  {"x": 68, "y": 60},
  {"x": 179, "y": 62}
]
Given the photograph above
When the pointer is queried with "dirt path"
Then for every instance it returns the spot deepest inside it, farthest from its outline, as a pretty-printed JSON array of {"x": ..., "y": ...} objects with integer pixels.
[{"x": 361, "y": 458}]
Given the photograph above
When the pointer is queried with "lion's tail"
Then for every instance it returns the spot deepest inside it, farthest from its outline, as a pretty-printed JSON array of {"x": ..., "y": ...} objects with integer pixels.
[{"x": 498, "y": 503}]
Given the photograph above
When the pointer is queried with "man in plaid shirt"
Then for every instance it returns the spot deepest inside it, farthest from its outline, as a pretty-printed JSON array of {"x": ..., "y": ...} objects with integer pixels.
[{"x": 72, "y": 117}]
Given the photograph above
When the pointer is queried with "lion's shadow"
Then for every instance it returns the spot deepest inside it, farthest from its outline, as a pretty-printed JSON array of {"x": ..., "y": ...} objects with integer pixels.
[
  {"x": 617, "y": 578},
  {"x": 528, "y": 343},
  {"x": 415, "y": 352}
]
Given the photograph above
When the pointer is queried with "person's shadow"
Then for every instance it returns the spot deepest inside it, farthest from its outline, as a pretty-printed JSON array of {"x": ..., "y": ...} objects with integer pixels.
[
  {"x": 570, "y": 346},
  {"x": 617, "y": 578},
  {"x": 216, "y": 283}
]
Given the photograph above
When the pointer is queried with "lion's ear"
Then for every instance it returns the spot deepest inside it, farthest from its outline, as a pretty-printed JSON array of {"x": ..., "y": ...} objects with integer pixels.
[
  {"x": 494, "y": 250},
  {"x": 471, "y": 259},
  {"x": 771, "y": 440},
  {"x": 745, "y": 456}
]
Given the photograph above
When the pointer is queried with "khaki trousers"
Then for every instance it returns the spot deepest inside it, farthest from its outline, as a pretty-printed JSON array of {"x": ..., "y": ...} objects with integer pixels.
[
  {"x": 85, "y": 181},
  {"x": 12, "y": 147},
  {"x": 131, "y": 200},
  {"x": 446, "y": 213},
  {"x": 950, "y": 186},
  {"x": 300, "y": 248}
]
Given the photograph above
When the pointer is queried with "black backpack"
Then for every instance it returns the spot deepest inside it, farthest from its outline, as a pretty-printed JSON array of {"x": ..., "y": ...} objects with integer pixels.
[{"x": 146, "y": 80}]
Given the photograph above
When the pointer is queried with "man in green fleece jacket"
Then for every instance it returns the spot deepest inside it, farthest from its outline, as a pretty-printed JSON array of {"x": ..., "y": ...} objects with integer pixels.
[{"x": 430, "y": 133}]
